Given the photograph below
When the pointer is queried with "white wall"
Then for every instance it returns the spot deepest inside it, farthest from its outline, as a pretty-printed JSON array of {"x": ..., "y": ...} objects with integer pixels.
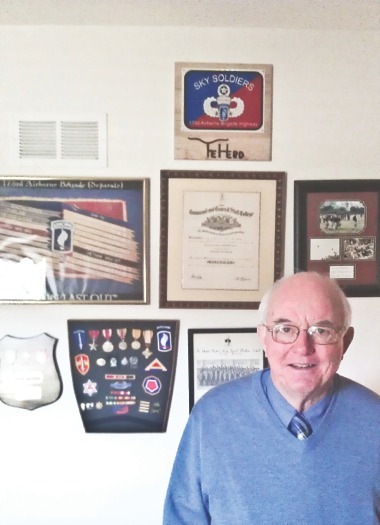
[{"x": 325, "y": 126}]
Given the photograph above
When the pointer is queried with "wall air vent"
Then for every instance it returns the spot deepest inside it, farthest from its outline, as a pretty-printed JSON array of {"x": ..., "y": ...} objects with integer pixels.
[
  {"x": 37, "y": 139},
  {"x": 80, "y": 140},
  {"x": 63, "y": 141}
]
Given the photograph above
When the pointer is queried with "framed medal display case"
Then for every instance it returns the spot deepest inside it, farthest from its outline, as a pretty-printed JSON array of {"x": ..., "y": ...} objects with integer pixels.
[
  {"x": 218, "y": 355},
  {"x": 221, "y": 237},
  {"x": 74, "y": 240},
  {"x": 223, "y": 111},
  {"x": 123, "y": 373},
  {"x": 337, "y": 232}
]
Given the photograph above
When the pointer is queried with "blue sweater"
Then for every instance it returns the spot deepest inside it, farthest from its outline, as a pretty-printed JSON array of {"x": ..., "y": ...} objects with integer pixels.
[{"x": 238, "y": 465}]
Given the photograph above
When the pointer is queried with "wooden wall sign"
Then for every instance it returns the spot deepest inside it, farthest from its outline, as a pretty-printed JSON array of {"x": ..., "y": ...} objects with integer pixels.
[{"x": 223, "y": 111}]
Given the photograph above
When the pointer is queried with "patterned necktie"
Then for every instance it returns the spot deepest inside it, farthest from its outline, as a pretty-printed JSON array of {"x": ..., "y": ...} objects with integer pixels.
[{"x": 300, "y": 427}]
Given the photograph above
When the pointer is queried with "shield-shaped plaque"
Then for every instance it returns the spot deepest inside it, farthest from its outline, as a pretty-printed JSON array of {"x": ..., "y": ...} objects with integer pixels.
[{"x": 29, "y": 374}]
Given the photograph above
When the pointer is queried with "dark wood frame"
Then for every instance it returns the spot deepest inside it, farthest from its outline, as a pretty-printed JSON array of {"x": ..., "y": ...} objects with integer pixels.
[
  {"x": 269, "y": 270},
  {"x": 366, "y": 273}
]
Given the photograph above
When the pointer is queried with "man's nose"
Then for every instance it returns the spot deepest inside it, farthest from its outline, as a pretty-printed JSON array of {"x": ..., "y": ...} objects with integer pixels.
[{"x": 304, "y": 343}]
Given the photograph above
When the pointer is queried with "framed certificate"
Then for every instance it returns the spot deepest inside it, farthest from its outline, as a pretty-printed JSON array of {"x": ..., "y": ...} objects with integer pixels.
[
  {"x": 337, "y": 232},
  {"x": 74, "y": 240},
  {"x": 221, "y": 237},
  {"x": 218, "y": 355}
]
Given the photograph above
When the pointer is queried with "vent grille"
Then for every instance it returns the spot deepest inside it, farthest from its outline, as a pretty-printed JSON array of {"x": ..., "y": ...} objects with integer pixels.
[
  {"x": 37, "y": 140},
  {"x": 80, "y": 140},
  {"x": 59, "y": 140}
]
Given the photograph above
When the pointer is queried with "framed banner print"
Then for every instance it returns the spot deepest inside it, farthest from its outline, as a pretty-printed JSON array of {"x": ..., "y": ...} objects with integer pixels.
[
  {"x": 218, "y": 355},
  {"x": 337, "y": 232},
  {"x": 123, "y": 373},
  {"x": 221, "y": 237},
  {"x": 223, "y": 111},
  {"x": 74, "y": 240}
]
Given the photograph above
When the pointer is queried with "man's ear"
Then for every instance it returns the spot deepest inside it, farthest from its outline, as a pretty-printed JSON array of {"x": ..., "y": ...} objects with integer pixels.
[
  {"x": 347, "y": 338},
  {"x": 261, "y": 332}
]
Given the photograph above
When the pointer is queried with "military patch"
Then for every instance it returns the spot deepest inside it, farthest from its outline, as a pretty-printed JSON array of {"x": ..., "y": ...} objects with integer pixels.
[
  {"x": 82, "y": 363},
  {"x": 156, "y": 365},
  {"x": 152, "y": 385}
]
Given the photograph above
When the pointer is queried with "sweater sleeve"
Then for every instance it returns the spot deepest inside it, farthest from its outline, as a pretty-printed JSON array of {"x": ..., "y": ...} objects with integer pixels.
[{"x": 186, "y": 503}]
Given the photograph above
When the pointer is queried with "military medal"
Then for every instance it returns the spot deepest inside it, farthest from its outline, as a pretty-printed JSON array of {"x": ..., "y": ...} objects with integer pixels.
[
  {"x": 122, "y": 332},
  {"x": 90, "y": 388},
  {"x": 94, "y": 334},
  {"x": 156, "y": 409},
  {"x": 80, "y": 338},
  {"x": 136, "y": 334},
  {"x": 147, "y": 335},
  {"x": 134, "y": 361},
  {"x": 107, "y": 345},
  {"x": 117, "y": 377},
  {"x": 144, "y": 407}
]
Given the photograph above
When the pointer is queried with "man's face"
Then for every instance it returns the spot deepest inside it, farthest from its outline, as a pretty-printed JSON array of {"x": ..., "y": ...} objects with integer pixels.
[{"x": 303, "y": 371}]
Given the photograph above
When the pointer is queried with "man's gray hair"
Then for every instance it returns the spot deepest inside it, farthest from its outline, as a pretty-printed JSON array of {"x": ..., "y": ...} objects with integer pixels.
[{"x": 263, "y": 308}]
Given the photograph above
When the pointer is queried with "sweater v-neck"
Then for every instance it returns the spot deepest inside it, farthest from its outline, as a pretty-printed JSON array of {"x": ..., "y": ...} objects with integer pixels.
[{"x": 279, "y": 426}]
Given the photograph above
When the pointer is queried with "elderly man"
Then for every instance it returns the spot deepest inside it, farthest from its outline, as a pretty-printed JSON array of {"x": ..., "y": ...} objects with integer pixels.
[{"x": 296, "y": 443}]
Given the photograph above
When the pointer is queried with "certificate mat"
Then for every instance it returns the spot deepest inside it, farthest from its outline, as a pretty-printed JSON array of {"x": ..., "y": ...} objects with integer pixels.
[{"x": 261, "y": 195}]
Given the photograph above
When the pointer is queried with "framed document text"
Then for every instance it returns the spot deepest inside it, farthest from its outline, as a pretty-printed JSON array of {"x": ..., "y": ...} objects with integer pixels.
[
  {"x": 218, "y": 355},
  {"x": 337, "y": 232},
  {"x": 74, "y": 240},
  {"x": 221, "y": 237},
  {"x": 223, "y": 111}
]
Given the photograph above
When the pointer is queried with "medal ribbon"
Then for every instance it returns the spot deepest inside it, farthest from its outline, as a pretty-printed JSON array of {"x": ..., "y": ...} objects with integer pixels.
[
  {"x": 94, "y": 334},
  {"x": 121, "y": 332},
  {"x": 148, "y": 334},
  {"x": 107, "y": 333}
]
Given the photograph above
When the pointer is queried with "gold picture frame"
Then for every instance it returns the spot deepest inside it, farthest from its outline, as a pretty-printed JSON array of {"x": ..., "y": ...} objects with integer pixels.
[{"x": 71, "y": 240}]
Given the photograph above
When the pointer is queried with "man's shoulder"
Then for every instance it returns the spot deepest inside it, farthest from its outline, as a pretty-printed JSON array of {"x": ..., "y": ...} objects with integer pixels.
[
  {"x": 232, "y": 391},
  {"x": 357, "y": 392}
]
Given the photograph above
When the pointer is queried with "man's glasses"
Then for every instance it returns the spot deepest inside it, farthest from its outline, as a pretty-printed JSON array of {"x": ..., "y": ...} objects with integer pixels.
[{"x": 320, "y": 335}]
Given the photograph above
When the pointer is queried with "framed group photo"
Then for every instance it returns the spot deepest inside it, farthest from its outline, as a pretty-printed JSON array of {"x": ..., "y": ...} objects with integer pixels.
[
  {"x": 337, "y": 232},
  {"x": 218, "y": 355},
  {"x": 222, "y": 237},
  {"x": 74, "y": 240}
]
